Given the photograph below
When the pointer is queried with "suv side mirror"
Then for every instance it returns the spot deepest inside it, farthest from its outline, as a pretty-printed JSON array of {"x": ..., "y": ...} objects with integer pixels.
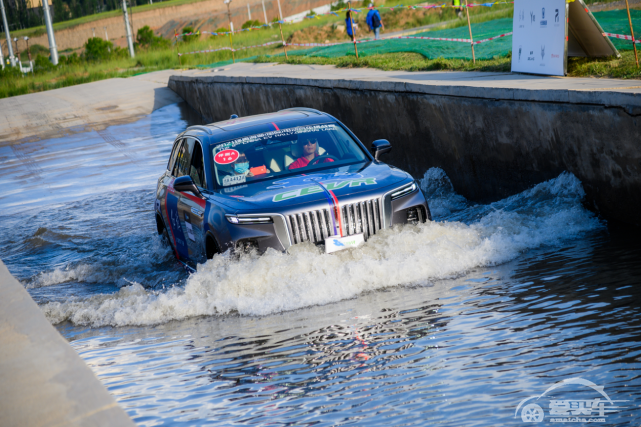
[
  {"x": 185, "y": 183},
  {"x": 380, "y": 146}
]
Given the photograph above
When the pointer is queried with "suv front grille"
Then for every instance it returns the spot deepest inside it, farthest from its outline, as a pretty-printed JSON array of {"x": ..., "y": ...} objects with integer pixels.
[
  {"x": 315, "y": 226},
  {"x": 362, "y": 217}
]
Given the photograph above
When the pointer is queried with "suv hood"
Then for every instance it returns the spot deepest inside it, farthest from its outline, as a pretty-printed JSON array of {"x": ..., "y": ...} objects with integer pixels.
[{"x": 298, "y": 189}]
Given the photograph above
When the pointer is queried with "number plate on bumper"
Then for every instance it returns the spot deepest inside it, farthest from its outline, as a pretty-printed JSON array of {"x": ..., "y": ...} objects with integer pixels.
[{"x": 335, "y": 243}]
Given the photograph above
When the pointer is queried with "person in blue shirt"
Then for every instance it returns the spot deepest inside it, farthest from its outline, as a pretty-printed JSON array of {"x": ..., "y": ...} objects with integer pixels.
[
  {"x": 374, "y": 21},
  {"x": 349, "y": 24}
]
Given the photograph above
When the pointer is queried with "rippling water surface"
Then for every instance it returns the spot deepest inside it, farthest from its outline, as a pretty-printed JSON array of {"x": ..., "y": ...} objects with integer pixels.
[{"x": 453, "y": 322}]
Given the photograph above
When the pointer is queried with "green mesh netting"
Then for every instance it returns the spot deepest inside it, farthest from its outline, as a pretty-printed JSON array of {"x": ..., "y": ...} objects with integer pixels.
[{"x": 615, "y": 21}]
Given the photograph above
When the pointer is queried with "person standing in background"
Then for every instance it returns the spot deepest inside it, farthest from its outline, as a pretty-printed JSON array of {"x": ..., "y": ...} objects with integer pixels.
[
  {"x": 374, "y": 21},
  {"x": 458, "y": 8},
  {"x": 350, "y": 24}
]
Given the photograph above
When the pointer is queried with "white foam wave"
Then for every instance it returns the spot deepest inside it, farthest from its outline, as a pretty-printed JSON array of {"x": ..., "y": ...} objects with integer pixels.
[
  {"x": 143, "y": 253},
  {"x": 258, "y": 285}
]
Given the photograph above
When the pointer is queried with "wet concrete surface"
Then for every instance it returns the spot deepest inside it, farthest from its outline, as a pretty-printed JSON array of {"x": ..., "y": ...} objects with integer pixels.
[
  {"x": 91, "y": 106},
  {"x": 47, "y": 159}
]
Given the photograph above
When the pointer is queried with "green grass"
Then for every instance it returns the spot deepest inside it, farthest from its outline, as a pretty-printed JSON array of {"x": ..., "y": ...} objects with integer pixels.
[{"x": 623, "y": 68}]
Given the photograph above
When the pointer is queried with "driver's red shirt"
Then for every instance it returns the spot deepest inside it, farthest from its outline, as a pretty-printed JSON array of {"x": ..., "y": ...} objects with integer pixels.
[{"x": 302, "y": 162}]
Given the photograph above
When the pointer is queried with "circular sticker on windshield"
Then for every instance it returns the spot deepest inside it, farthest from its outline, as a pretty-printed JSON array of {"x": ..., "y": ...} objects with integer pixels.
[{"x": 226, "y": 157}]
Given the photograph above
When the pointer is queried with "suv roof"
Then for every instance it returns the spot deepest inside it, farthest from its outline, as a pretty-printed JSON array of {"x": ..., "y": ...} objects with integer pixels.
[{"x": 272, "y": 120}]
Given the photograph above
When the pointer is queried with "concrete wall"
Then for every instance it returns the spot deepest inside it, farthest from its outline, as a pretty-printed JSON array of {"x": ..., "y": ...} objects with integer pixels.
[
  {"x": 43, "y": 381},
  {"x": 491, "y": 142}
]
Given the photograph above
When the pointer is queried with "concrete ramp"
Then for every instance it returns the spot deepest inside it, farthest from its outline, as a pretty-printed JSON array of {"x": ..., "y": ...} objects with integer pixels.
[{"x": 43, "y": 381}]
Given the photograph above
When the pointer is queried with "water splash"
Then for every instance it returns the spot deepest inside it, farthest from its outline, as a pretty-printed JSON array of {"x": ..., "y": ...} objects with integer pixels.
[{"x": 470, "y": 236}]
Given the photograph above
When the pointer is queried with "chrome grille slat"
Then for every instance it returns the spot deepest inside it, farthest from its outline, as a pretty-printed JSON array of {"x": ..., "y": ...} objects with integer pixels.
[
  {"x": 297, "y": 238},
  {"x": 363, "y": 222},
  {"x": 350, "y": 220},
  {"x": 370, "y": 220},
  {"x": 310, "y": 230},
  {"x": 323, "y": 219},
  {"x": 376, "y": 212},
  {"x": 316, "y": 222},
  {"x": 301, "y": 224}
]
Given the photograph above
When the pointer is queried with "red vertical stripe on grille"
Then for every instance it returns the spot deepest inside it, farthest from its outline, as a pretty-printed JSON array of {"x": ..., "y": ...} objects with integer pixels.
[{"x": 337, "y": 210}]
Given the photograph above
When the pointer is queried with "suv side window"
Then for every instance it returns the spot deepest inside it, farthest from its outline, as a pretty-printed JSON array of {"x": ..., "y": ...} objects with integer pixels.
[
  {"x": 197, "y": 169},
  {"x": 183, "y": 159},
  {"x": 174, "y": 152}
]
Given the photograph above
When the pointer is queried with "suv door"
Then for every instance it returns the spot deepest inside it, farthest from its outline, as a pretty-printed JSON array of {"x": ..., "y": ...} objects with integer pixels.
[
  {"x": 172, "y": 201},
  {"x": 191, "y": 207}
]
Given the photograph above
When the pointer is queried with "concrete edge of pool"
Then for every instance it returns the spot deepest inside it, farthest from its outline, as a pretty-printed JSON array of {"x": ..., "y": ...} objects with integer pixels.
[{"x": 43, "y": 381}]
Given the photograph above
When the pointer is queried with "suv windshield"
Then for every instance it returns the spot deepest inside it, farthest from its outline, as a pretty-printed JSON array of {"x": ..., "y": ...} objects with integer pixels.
[{"x": 299, "y": 149}]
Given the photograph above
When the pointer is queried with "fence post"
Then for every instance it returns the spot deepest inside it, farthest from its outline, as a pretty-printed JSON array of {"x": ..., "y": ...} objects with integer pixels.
[
  {"x": 634, "y": 43},
  {"x": 177, "y": 52},
  {"x": 281, "y": 36},
  {"x": 351, "y": 24},
  {"x": 231, "y": 44},
  {"x": 469, "y": 26}
]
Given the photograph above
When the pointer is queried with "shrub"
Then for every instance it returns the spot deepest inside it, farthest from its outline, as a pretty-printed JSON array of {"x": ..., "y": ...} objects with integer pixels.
[
  {"x": 97, "y": 49},
  {"x": 249, "y": 24},
  {"x": 340, "y": 5},
  {"x": 191, "y": 38},
  {"x": 145, "y": 38},
  {"x": 42, "y": 63},
  {"x": 73, "y": 59}
]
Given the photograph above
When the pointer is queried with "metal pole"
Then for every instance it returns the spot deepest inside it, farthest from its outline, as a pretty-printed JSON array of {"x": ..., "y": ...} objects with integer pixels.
[
  {"x": 249, "y": 12},
  {"x": 280, "y": 12},
  {"x": 53, "y": 49},
  {"x": 28, "y": 50},
  {"x": 8, "y": 35},
  {"x": 351, "y": 24},
  {"x": 129, "y": 38},
  {"x": 177, "y": 52},
  {"x": 93, "y": 31},
  {"x": 231, "y": 30},
  {"x": 469, "y": 26},
  {"x": 18, "y": 53},
  {"x": 282, "y": 38},
  {"x": 106, "y": 35},
  {"x": 231, "y": 24},
  {"x": 264, "y": 13},
  {"x": 231, "y": 44},
  {"x": 634, "y": 43}
]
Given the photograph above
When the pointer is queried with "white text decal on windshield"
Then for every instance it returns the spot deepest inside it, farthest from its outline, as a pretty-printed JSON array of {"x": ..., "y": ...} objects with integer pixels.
[{"x": 275, "y": 135}]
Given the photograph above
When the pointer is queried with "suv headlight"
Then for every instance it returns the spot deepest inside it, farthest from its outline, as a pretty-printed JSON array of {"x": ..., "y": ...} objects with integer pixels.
[
  {"x": 244, "y": 220},
  {"x": 404, "y": 191}
]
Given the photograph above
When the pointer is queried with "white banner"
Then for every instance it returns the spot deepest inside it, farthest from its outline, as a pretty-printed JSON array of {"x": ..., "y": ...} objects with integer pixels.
[{"x": 540, "y": 37}]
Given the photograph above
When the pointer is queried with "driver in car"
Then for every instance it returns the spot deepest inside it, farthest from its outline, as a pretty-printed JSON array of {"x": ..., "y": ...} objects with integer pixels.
[{"x": 310, "y": 151}]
